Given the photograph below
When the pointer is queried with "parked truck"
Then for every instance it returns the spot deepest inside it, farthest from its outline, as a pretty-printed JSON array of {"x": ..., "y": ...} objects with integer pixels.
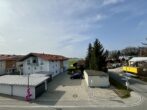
[{"x": 137, "y": 66}]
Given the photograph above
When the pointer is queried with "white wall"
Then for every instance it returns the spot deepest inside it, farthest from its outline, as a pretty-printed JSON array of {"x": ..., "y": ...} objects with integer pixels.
[
  {"x": 5, "y": 89},
  {"x": 99, "y": 81},
  {"x": 96, "y": 81},
  {"x": 2, "y": 67},
  {"x": 86, "y": 78},
  {"x": 15, "y": 90},
  {"x": 35, "y": 68},
  {"x": 21, "y": 91},
  {"x": 53, "y": 67},
  {"x": 65, "y": 63}
]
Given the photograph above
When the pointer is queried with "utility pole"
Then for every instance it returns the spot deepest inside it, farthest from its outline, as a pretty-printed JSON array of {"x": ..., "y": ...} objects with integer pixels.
[{"x": 28, "y": 94}]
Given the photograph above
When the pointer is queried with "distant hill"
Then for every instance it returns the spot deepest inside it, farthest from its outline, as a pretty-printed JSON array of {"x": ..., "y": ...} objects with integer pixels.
[{"x": 71, "y": 61}]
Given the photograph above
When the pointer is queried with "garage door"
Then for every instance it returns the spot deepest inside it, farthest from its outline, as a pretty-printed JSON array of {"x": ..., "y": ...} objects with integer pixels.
[{"x": 39, "y": 89}]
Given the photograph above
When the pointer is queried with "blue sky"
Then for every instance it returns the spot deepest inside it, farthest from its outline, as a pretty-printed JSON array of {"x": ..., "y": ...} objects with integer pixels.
[{"x": 67, "y": 26}]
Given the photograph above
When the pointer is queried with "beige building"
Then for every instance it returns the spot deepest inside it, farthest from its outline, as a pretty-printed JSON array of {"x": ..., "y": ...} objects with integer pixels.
[{"x": 9, "y": 64}]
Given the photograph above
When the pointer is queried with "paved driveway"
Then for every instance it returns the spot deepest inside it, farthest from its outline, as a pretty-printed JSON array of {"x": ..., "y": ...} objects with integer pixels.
[{"x": 63, "y": 91}]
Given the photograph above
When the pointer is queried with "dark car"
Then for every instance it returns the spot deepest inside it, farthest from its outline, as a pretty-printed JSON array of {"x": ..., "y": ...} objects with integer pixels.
[{"x": 77, "y": 76}]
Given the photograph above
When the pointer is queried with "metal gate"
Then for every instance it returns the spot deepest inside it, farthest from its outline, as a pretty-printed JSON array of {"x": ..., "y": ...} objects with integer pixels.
[{"x": 39, "y": 89}]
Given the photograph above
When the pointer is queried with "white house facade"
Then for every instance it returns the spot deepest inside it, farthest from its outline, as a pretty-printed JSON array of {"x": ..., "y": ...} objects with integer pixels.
[{"x": 34, "y": 63}]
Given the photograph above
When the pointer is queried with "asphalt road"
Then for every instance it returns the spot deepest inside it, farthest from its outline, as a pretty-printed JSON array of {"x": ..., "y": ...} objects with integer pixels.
[{"x": 135, "y": 84}]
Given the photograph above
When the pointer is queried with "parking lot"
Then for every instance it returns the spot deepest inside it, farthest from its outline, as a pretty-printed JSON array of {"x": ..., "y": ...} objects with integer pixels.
[{"x": 64, "y": 92}]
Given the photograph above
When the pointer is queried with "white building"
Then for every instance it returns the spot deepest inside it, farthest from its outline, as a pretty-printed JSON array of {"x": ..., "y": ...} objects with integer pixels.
[
  {"x": 17, "y": 85},
  {"x": 138, "y": 59},
  {"x": 96, "y": 78},
  {"x": 43, "y": 63}
]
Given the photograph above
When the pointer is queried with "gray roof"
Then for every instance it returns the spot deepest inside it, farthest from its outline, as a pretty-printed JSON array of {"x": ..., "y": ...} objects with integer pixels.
[
  {"x": 21, "y": 80},
  {"x": 95, "y": 73},
  {"x": 137, "y": 59}
]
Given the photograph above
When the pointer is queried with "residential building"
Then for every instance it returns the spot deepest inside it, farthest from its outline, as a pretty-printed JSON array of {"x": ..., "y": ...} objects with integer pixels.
[
  {"x": 43, "y": 63},
  {"x": 9, "y": 64}
]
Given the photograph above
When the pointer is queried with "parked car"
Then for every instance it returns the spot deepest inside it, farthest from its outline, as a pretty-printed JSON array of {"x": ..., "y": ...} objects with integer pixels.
[{"x": 77, "y": 76}]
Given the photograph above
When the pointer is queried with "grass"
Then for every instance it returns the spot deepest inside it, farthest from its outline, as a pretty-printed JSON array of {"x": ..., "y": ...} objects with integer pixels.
[
  {"x": 71, "y": 61},
  {"x": 71, "y": 68},
  {"x": 120, "y": 89}
]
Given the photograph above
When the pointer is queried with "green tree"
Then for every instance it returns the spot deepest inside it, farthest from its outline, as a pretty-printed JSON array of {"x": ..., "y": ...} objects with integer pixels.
[
  {"x": 88, "y": 57},
  {"x": 97, "y": 59}
]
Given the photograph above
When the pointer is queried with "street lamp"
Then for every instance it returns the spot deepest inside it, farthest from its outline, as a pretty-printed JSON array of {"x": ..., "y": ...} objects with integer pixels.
[{"x": 28, "y": 94}]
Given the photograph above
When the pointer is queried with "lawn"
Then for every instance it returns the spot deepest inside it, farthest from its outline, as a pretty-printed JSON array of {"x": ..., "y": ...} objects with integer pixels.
[
  {"x": 71, "y": 61},
  {"x": 120, "y": 89}
]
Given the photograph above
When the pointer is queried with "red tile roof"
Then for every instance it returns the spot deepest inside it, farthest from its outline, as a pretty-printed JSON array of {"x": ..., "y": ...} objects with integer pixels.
[
  {"x": 4, "y": 57},
  {"x": 49, "y": 57}
]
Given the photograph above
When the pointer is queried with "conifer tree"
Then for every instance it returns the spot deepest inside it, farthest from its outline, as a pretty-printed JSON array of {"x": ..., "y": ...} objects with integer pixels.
[
  {"x": 88, "y": 57},
  {"x": 96, "y": 57}
]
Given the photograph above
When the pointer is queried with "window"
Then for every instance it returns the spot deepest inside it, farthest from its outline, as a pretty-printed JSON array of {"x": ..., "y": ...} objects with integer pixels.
[
  {"x": 35, "y": 61},
  {"x": 41, "y": 62},
  {"x": 35, "y": 67},
  {"x": 28, "y": 62},
  {"x": 41, "y": 68},
  {"x": 28, "y": 68}
]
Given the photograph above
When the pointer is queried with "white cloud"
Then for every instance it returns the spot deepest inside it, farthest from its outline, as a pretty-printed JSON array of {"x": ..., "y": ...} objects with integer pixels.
[
  {"x": 100, "y": 17},
  {"x": 109, "y": 2},
  {"x": 46, "y": 26},
  {"x": 19, "y": 40},
  {"x": 2, "y": 41}
]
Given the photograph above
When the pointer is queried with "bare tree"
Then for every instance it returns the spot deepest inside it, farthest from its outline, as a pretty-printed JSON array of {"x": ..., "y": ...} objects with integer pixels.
[{"x": 144, "y": 43}]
